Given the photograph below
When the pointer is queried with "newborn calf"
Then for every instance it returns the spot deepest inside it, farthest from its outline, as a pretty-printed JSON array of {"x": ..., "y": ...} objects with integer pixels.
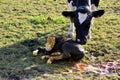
[{"x": 67, "y": 47}]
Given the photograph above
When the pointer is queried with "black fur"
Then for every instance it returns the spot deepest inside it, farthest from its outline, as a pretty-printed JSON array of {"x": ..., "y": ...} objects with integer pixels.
[
  {"x": 68, "y": 48},
  {"x": 83, "y": 29}
]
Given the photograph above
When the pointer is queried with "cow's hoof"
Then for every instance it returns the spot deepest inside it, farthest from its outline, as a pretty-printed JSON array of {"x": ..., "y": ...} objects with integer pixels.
[
  {"x": 35, "y": 53},
  {"x": 89, "y": 37},
  {"x": 49, "y": 61},
  {"x": 70, "y": 35}
]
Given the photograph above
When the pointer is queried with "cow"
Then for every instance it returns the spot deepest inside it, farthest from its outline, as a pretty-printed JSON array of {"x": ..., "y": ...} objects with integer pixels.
[{"x": 81, "y": 15}]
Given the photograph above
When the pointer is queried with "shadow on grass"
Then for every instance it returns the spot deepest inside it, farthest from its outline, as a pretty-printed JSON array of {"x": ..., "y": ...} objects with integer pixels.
[{"x": 17, "y": 61}]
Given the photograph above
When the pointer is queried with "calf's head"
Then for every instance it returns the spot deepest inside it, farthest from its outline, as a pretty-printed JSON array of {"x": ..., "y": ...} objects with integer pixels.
[
  {"x": 82, "y": 18},
  {"x": 50, "y": 43}
]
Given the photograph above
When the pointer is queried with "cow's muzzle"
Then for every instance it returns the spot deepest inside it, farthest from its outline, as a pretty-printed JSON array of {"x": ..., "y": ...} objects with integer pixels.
[{"x": 81, "y": 41}]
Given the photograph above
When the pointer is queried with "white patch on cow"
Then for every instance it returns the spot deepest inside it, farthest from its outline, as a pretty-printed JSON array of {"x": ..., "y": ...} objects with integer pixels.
[
  {"x": 93, "y": 7},
  {"x": 81, "y": 49},
  {"x": 71, "y": 7},
  {"x": 71, "y": 30},
  {"x": 82, "y": 17}
]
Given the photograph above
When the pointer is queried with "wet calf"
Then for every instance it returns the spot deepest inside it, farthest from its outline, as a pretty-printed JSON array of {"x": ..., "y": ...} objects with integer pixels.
[{"x": 67, "y": 47}]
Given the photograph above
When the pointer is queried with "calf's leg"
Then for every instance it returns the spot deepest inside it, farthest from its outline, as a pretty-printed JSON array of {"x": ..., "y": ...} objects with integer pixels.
[
  {"x": 64, "y": 55},
  {"x": 53, "y": 58},
  {"x": 45, "y": 57}
]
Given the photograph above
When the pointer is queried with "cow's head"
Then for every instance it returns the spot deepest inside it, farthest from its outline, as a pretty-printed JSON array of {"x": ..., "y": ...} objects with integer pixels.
[{"x": 82, "y": 18}]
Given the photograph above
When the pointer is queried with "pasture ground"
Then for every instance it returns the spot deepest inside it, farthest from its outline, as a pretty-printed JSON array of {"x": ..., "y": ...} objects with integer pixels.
[{"x": 24, "y": 25}]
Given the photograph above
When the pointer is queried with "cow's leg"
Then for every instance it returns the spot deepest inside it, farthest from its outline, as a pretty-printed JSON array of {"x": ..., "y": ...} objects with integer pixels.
[
  {"x": 71, "y": 29},
  {"x": 89, "y": 35},
  {"x": 94, "y": 6}
]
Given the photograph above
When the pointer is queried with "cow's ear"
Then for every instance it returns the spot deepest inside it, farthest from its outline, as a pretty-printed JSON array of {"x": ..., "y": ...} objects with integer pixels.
[
  {"x": 68, "y": 14},
  {"x": 98, "y": 13}
]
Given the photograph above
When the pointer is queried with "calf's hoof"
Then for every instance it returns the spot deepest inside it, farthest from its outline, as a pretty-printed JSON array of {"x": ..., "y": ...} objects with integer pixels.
[
  {"x": 43, "y": 57},
  {"x": 70, "y": 35},
  {"x": 35, "y": 52}
]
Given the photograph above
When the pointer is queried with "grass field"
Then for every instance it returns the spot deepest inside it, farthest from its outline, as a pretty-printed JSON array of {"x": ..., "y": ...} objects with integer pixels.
[{"x": 24, "y": 25}]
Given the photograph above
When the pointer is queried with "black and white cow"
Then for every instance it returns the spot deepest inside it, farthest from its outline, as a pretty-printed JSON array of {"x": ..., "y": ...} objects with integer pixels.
[{"x": 81, "y": 14}]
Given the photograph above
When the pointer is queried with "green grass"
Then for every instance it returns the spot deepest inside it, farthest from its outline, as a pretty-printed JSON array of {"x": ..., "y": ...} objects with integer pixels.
[{"x": 24, "y": 25}]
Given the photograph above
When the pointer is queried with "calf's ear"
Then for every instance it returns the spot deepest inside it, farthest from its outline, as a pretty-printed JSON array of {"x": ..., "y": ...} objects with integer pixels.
[
  {"x": 69, "y": 14},
  {"x": 98, "y": 13}
]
